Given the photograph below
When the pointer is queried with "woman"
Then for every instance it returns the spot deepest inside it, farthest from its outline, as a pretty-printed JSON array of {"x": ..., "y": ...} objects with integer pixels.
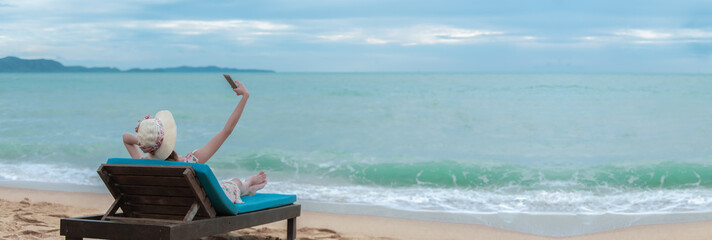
[{"x": 157, "y": 137}]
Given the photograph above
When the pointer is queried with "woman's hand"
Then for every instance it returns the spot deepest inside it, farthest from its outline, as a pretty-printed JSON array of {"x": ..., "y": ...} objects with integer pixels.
[
  {"x": 130, "y": 139},
  {"x": 146, "y": 149},
  {"x": 241, "y": 90}
]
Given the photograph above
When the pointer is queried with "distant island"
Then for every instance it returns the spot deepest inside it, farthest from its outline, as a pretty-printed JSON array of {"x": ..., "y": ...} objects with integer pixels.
[{"x": 15, "y": 64}]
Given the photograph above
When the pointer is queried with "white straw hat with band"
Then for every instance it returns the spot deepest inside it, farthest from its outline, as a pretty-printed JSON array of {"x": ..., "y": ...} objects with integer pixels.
[{"x": 159, "y": 133}]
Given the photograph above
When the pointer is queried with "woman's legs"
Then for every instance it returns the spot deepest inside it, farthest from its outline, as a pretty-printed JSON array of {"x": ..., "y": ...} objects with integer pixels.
[
  {"x": 251, "y": 184},
  {"x": 240, "y": 186}
]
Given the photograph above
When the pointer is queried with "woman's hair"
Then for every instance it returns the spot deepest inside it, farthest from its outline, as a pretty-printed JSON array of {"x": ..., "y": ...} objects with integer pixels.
[{"x": 172, "y": 157}]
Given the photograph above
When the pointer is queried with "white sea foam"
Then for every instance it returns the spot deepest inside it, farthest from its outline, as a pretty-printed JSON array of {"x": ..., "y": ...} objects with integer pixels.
[
  {"x": 49, "y": 173},
  {"x": 659, "y": 201},
  {"x": 509, "y": 199}
]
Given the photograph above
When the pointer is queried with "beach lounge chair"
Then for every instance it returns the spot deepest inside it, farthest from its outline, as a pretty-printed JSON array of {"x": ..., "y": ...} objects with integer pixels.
[{"x": 174, "y": 200}]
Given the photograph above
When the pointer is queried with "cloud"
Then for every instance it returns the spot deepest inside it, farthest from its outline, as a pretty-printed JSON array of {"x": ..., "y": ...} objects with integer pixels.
[
  {"x": 198, "y": 27},
  {"x": 653, "y": 36},
  {"x": 376, "y": 41},
  {"x": 644, "y": 34},
  {"x": 33, "y": 35},
  {"x": 337, "y": 37},
  {"x": 427, "y": 35},
  {"x": 66, "y": 9},
  {"x": 415, "y": 35}
]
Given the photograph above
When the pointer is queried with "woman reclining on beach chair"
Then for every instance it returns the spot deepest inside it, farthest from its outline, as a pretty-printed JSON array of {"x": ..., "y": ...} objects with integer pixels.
[{"x": 157, "y": 137}]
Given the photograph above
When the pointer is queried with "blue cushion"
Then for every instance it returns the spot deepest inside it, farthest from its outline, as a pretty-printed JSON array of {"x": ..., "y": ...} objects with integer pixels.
[{"x": 220, "y": 201}]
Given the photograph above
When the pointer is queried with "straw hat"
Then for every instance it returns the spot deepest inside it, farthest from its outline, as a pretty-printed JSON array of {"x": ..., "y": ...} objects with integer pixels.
[{"x": 159, "y": 132}]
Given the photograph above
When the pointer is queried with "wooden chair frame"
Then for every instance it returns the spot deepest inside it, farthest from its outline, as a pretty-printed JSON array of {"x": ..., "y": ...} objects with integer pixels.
[{"x": 164, "y": 202}]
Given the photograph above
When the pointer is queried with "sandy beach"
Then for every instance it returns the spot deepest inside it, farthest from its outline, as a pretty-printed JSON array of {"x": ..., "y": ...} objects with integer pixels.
[{"x": 35, "y": 214}]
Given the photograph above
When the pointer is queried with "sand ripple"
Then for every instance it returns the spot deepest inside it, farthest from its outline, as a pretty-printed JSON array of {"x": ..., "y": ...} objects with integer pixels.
[{"x": 28, "y": 220}]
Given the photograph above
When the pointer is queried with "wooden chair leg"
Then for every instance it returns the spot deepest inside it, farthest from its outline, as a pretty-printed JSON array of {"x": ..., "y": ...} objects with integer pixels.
[
  {"x": 191, "y": 212},
  {"x": 292, "y": 229},
  {"x": 114, "y": 207}
]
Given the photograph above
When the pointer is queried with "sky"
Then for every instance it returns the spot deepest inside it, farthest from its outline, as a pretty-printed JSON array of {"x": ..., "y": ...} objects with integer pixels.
[{"x": 366, "y": 35}]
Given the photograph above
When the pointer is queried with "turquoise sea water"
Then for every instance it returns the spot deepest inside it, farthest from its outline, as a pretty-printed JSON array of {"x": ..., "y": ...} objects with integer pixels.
[{"x": 414, "y": 142}]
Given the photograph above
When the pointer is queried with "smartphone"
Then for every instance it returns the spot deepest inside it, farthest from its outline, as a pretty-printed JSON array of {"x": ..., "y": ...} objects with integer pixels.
[{"x": 230, "y": 81}]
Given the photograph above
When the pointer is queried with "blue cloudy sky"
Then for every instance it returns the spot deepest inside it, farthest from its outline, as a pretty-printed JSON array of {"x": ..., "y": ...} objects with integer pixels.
[{"x": 366, "y": 35}]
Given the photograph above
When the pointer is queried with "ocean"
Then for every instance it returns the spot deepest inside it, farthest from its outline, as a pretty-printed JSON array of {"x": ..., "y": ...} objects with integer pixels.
[{"x": 580, "y": 152}]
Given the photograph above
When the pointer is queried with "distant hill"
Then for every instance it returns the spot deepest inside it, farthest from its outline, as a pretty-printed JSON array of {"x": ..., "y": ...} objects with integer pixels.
[{"x": 14, "y": 64}]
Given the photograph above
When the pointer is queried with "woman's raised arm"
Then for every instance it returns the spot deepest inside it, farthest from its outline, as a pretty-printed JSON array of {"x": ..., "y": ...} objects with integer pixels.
[
  {"x": 207, "y": 151},
  {"x": 131, "y": 144}
]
